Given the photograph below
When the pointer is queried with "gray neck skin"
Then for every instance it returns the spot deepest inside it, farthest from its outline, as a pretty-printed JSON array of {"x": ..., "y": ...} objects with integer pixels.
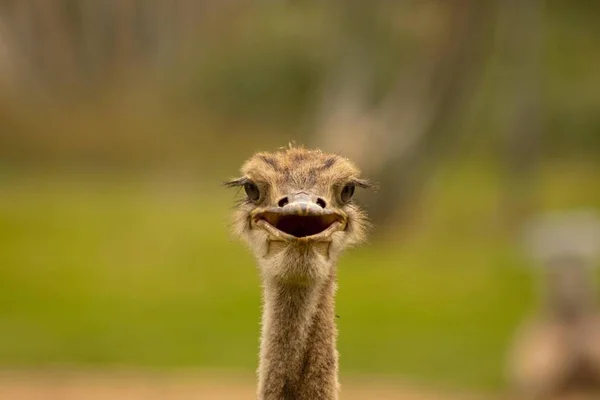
[
  {"x": 569, "y": 289},
  {"x": 298, "y": 357}
]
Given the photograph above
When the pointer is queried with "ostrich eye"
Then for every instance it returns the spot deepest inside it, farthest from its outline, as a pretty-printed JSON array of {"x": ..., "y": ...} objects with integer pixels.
[
  {"x": 252, "y": 191},
  {"x": 347, "y": 193}
]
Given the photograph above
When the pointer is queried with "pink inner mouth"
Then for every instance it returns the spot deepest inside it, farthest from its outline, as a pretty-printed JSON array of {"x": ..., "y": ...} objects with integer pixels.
[{"x": 299, "y": 225}]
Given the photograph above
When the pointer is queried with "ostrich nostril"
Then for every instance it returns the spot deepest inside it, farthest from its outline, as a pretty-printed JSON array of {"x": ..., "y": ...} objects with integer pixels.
[
  {"x": 321, "y": 202},
  {"x": 282, "y": 202}
]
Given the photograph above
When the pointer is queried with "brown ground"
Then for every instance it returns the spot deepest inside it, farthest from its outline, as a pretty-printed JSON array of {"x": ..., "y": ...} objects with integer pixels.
[
  {"x": 154, "y": 386},
  {"x": 90, "y": 385}
]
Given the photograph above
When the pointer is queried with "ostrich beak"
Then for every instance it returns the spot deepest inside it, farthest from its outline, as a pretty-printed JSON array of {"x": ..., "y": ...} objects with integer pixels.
[{"x": 300, "y": 218}]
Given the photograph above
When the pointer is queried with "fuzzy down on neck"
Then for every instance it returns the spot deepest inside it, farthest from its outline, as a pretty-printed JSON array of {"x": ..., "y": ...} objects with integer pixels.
[{"x": 298, "y": 356}]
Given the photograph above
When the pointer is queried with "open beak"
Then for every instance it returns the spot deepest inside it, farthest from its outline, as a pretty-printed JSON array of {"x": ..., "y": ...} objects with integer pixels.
[{"x": 300, "y": 219}]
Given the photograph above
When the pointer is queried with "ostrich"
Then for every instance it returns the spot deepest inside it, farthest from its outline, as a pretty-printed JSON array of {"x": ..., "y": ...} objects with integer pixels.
[
  {"x": 297, "y": 217},
  {"x": 558, "y": 352}
]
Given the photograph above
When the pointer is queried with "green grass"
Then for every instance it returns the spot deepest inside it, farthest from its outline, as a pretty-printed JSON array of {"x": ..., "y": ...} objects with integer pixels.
[{"x": 115, "y": 273}]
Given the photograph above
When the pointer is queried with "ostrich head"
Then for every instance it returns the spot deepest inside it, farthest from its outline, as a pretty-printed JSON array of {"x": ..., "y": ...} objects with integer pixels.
[{"x": 298, "y": 212}]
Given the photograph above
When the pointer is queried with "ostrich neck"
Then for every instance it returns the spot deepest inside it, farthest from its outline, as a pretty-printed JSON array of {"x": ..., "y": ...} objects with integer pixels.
[
  {"x": 570, "y": 292},
  {"x": 298, "y": 357}
]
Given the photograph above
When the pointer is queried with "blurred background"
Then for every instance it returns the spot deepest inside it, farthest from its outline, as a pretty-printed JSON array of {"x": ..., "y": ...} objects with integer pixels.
[{"x": 119, "y": 119}]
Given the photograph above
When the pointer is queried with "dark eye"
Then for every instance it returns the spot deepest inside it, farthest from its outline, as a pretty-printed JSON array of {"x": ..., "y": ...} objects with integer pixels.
[
  {"x": 347, "y": 193},
  {"x": 252, "y": 191}
]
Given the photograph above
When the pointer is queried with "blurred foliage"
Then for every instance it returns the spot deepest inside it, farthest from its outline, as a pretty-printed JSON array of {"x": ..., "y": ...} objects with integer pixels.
[{"x": 266, "y": 69}]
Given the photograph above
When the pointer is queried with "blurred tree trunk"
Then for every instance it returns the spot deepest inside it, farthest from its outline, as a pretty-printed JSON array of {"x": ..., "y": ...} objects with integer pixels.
[
  {"x": 125, "y": 33},
  {"x": 25, "y": 43},
  {"x": 458, "y": 67},
  {"x": 94, "y": 43},
  {"x": 57, "y": 44},
  {"x": 63, "y": 42},
  {"x": 8, "y": 58},
  {"x": 342, "y": 120},
  {"x": 400, "y": 141}
]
